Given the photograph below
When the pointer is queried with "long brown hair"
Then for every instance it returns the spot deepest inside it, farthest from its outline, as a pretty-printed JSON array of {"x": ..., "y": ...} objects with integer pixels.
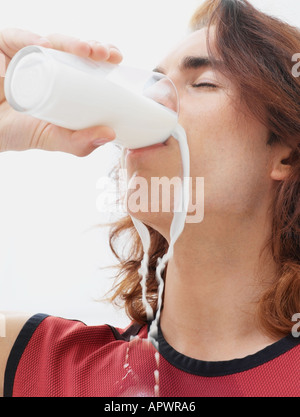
[{"x": 257, "y": 51}]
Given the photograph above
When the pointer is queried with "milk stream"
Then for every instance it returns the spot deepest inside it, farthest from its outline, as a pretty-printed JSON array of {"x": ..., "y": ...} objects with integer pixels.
[{"x": 177, "y": 226}]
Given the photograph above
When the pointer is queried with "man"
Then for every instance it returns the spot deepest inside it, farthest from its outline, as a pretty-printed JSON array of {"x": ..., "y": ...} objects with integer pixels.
[{"x": 233, "y": 283}]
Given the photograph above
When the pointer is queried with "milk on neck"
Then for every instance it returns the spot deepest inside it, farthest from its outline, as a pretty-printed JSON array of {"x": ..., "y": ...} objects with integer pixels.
[{"x": 177, "y": 226}]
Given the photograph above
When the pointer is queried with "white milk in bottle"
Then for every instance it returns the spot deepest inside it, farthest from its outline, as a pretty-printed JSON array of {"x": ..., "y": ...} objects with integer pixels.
[{"x": 78, "y": 93}]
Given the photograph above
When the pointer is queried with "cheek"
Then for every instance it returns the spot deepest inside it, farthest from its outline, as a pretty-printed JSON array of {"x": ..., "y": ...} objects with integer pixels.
[
  {"x": 209, "y": 132},
  {"x": 228, "y": 148}
]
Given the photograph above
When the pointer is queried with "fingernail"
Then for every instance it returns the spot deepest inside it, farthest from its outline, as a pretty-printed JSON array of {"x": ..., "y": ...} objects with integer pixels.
[{"x": 99, "y": 142}]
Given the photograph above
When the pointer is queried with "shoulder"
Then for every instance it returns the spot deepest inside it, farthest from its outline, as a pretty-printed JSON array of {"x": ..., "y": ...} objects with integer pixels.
[
  {"x": 45, "y": 343},
  {"x": 10, "y": 326}
]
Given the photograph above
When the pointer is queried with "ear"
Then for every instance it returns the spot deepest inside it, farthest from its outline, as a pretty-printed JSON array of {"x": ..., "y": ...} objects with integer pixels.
[{"x": 280, "y": 164}]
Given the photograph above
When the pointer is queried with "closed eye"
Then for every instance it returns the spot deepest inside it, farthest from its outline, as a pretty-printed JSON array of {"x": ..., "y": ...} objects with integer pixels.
[{"x": 209, "y": 85}]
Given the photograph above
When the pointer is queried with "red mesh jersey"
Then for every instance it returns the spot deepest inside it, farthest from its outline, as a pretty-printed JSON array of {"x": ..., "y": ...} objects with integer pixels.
[{"x": 57, "y": 357}]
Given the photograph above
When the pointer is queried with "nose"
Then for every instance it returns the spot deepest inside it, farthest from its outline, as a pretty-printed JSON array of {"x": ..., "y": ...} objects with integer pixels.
[{"x": 162, "y": 90}]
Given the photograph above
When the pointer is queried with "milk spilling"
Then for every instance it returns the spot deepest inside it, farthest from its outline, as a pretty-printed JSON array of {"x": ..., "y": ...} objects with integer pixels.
[{"x": 177, "y": 226}]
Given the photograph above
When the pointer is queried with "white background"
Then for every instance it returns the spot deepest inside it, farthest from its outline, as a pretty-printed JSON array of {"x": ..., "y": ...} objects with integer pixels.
[{"x": 50, "y": 251}]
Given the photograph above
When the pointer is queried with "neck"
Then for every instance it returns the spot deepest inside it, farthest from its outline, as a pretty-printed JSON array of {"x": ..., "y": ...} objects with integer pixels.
[{"x": 213, "y": 284}]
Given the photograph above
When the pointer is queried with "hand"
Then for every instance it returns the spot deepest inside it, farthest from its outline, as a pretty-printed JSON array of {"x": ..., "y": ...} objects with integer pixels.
[{"x": 20, "y": 131}]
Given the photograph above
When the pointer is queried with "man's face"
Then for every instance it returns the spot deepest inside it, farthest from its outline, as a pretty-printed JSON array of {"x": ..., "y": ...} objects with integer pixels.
[{"x": 228, "y": 147}]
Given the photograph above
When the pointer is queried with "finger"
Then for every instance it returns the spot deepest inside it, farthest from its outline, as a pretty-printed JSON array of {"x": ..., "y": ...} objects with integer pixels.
[
  {"x": 115, "y": 55},
  {"x": 88, "y": 49},
  {"x": 105, "y": 52},
  {"x": 3, "y": 65},
  {"x": 12, "y": 40},
  {"x": 99, "y": 51},
  {"x": 70, "y": 44},
  {"x": 80, "y": 142}
]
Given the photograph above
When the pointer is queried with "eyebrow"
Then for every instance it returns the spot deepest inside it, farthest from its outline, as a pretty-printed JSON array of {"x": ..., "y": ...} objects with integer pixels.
[{"x": 195, "y": 62}]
